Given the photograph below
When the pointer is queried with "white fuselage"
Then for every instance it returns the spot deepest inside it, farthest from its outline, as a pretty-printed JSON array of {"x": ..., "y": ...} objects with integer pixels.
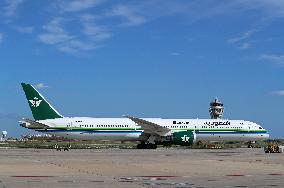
[{"x": 125, "y": 129}]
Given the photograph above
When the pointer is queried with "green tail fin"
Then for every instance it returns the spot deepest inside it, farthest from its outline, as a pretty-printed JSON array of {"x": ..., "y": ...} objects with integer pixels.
[{"x": 41, "y": 109}]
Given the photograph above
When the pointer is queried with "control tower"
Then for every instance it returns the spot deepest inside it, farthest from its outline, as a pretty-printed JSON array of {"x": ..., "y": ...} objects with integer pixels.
[{"x": 216, "y": 109}]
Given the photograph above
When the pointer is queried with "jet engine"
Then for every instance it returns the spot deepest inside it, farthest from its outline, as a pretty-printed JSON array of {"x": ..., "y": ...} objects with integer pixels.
[{"x": 184, "y": 138}]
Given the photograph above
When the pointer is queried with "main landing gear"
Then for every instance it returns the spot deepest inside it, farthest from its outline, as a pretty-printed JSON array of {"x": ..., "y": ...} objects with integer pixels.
[
  {"x": 251, "y": 144},
  {"x": 144, "y": 145}
]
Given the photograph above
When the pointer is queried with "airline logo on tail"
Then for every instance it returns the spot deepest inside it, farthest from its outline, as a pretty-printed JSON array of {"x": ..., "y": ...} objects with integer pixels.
[{"x": 36, "y": 102}]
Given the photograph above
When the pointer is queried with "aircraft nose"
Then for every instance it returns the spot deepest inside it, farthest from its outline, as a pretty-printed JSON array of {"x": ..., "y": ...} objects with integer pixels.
[{"x": 265, "y": 136}]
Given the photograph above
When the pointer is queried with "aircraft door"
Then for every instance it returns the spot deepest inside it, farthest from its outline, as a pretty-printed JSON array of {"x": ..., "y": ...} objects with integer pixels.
[
  {"x": 196, "y": 128},
  {"x": 69, "y": 125}
]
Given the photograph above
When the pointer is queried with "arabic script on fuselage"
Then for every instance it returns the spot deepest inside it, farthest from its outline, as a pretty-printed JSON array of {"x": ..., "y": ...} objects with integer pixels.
[{"x": 216, "y": 123}]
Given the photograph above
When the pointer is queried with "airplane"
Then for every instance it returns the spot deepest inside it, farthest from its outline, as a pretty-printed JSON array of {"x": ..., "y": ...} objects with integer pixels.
[{"x": 149, "y": 131}]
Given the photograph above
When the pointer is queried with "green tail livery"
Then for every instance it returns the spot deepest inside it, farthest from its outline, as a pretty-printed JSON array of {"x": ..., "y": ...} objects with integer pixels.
[{"x": 40, "y": 108}]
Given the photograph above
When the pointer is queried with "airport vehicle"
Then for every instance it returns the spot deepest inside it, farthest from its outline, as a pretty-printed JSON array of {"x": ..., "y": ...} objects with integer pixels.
[
  {"x": 149, "y": 131},
  {"x": 64, "y": 148},
  {"x": 273, "y": 148}
]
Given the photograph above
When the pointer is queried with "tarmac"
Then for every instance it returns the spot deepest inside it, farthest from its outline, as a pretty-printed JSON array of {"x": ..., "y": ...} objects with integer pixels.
[{"x": 244, "y": 167}]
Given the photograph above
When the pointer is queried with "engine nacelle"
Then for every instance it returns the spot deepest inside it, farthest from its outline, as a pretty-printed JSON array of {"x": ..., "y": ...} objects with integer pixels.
[
  {"x": 24, "y": 124},
  {"x": 184, "y": 138}
]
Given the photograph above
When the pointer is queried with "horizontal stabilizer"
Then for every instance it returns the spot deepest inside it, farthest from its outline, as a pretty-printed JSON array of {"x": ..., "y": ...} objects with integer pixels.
[{"x": 27, "y": 123}]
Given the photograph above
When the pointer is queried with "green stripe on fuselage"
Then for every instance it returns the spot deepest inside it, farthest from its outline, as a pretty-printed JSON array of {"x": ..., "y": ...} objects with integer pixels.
[{"x": 140, "y": 129}]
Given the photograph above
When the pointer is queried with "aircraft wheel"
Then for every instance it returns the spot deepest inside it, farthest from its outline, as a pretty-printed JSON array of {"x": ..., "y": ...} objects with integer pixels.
[
  {"x": 151, "y": 146},
  {"x": 141, "y": 146},
  {"x": 146, "y": 146},
  {"x": 154, "y": 146}
]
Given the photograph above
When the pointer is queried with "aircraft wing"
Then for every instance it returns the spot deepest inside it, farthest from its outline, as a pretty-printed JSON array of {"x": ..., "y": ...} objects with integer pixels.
[
  {"x": 31, "y": 124},
  {"x": 150, "y": 127}
]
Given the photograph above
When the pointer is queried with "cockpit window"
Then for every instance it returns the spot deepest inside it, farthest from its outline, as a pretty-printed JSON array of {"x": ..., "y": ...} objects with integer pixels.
[{"x": 260, "y": 127}]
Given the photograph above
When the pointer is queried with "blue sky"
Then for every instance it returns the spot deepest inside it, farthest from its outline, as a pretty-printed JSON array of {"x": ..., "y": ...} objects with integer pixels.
[{"x": 152, "y": 58}]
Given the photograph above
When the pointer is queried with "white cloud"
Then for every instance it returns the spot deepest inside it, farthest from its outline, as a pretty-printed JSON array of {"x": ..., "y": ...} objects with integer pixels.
[
  {"x": 265, "y": 12},
  {"x": 94, "y": 31},
  {"x": 244, "y": 36},
  {"x": 89, "y": 18},
  {"x": 278, "y": 93},
  {"x": 272, "y": 8},
  {"x": 245, "y": 45},
  {"x": 131, "y": 18},
  {"x": 78, "y": 5},
  {"x": 25, "y": 29},
  {"x": 175, "y": 54},
  {"x": 54, "y": 38},
  {"x": 54, "y": 33},
  {"x": 11, "y": 7},
  {"x": 91, "y": 29},
  {"x": 277, "y": 59},
  {"x": 242, "y": 41},
  {"x": 76, "y": 46},
  {"x": 55, "y": 26},
  {"x": 1, "y": 37},
  {"x": 41, "y": 86}
]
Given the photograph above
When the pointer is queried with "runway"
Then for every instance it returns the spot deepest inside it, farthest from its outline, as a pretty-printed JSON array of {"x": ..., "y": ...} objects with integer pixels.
[{"x": 141, "y": 168}]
